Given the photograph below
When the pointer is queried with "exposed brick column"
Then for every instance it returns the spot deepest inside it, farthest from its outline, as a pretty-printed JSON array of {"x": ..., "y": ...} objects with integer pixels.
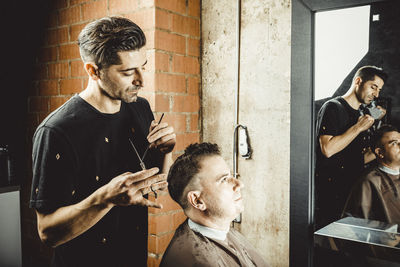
[
  {"x": 176, "y": 79},
  {"x": 172, "y": 79}
]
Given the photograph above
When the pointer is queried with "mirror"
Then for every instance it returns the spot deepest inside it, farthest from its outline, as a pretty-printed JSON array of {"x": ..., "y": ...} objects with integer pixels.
[{"x": 345, "y": 40}]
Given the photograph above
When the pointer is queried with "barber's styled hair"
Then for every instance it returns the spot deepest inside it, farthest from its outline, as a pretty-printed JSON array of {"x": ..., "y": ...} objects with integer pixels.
[
  {"x": 367, "y": 73},
  {"x": 102, "y": 39},
  {"x": 186, "y": 167},
  {"x": 377, "y": 137}
]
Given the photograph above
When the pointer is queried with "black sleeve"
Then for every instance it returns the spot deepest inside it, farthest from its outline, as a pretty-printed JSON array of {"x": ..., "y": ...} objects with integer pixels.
[
  {"x": 327, "y": 123},
  {"x": 53, "y": 171}
]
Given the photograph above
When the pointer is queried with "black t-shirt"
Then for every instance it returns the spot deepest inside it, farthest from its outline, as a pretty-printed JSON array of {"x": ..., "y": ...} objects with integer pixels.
[
  {"x": 78, "y": 149},
  {"x": 335, "y": 176}
]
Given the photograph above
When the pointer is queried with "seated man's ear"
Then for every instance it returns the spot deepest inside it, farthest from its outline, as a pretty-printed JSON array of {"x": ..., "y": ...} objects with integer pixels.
[
  {"x": 379, "y": 153},
  {"x": 194, "y": 199},
  {"x": 92, "y": 70}
]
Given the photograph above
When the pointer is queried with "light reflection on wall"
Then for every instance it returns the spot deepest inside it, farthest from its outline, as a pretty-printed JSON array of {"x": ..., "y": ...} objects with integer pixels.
[{"x": 341, "y": 41}]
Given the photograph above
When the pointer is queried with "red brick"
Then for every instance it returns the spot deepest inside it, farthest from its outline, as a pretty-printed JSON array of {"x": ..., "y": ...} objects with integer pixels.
[
  {"x": 74, "y": 31},
  {"x": 77, "y": 69},
  {"x": 188, "y": 65},
  {"x": 193, "y": 47},
  {"x": 56, "y": 101},
  {"x": 194, "y": 122},
  {"x": 186, "y": 103},
  {"x": 168, "y": 203},
  {"x": 158, "y": 244},
  {"x": 193, "y": 85},
  {"x": 122, "y": 6},
  {"x": 52, "y": 19},
  {"x": 178, "y": 121},
  {"x": 57, "y": 36},
  {"x": 178, "y": 6},
  {"x": 144, "y": 18},
  {"x": 161, "y": 103},
  {"x": 70, "y": 86},
  {"x": 186, "y": 25},
  {"x": 178, "y": 219},
  {"x": 170, "y": 83},
  {"x": 48, "y": 54},
  {"x": 48, "y": 88},
  {"x": 70, "y": 15},
  {"x": 94, "y": 10},
  {"x": 153, "y": 262},
  {"x": 169, "y": 42},
  {"x": 40, "y": 72},
  {"x": 61, "y": 4},
  {"x": 160, "y": 223},
  {"x": 194, "y": 7},
  {"x": 58, "y": 70},
  {"x": 163, "y": 19},
  {"x": 69, "y": 51},
  {"x": 183, "y": 140},
  {"x": 42, "y": 116},
  {"x": 38, "y": 104},
  {"x": 161, "y": 61},
  {"x": 76, "y": 2}
]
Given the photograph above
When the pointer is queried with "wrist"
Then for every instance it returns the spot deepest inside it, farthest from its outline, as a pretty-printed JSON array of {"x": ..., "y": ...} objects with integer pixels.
[{"x": 101, "y": 198}]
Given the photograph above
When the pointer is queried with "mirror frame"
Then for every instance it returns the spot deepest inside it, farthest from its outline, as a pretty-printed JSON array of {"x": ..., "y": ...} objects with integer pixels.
[{"x": 302, "y": 125}]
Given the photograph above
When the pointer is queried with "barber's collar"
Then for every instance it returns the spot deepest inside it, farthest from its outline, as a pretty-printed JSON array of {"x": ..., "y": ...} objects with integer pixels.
[
  {"x": 389, "y": 170},
  {"x": 208, "y": 232}
]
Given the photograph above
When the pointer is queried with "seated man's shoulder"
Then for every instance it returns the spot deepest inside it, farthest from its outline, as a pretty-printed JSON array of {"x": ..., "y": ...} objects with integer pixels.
[
  {"x": 188, "y": 248},
  {"x": 372, "y": 175}
]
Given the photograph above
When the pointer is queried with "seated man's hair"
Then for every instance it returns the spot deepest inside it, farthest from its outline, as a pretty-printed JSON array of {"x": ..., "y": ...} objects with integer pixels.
[
  {"x": 377, "y": 137},
  {"x": 185, "y": 168},
  {"x": 102, "y": 39},
  {"x": 367, "y": 73}
]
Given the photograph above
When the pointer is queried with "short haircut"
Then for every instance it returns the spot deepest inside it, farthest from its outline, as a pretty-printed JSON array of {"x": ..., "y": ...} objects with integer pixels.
[
  {"x": 367, "y": 73},
  {"x": 102, "y": 39},
  {"x": 377, "y": 137},
  {"x": 185, "y": 168}
]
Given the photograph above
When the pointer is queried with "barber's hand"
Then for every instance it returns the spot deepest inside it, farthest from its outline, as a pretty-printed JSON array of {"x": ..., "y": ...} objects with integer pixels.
[
  {"x": 383, "y": 112},
  {"x": 162, "y": 137},
  {"x": 364, "y": 122},
  {"x": 129, "y": 188}
]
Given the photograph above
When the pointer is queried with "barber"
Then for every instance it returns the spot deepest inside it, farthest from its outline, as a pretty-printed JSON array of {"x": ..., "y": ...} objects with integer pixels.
[
  {"x": 342, "y": 148},
  {"x": 89, "y": 156}
]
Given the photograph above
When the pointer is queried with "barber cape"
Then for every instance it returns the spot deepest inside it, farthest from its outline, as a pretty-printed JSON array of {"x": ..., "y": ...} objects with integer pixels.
[{"x": 196, "y": 245}]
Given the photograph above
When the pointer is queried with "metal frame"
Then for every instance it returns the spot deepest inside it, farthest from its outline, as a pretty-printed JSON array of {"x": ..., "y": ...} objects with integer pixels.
[{"x": 302, "y": 126}]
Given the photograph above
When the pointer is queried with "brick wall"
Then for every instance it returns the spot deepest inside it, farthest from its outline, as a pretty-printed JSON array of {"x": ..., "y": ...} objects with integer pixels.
[{"x": 172, "y": 80}]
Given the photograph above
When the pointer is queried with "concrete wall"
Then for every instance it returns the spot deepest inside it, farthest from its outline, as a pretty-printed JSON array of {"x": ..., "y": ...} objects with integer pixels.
[{"x": 264, "y": 107}]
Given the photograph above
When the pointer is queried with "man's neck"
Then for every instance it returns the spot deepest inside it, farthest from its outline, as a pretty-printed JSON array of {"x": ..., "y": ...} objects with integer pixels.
[
  {"x": 214, "y": 223},
  {"x": 100, "y": 101},
  {"x": 208, "y": 231},
  {"x": 351, "y": 99},
  {"x": 393, "y": 167}
]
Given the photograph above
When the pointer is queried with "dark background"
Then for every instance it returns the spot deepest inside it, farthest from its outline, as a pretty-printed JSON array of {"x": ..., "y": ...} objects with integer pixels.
[{"x": 22, "y": 30}]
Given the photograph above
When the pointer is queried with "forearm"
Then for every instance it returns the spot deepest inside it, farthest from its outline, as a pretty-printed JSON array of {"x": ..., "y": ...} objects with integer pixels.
[
  {"x": 167, "y": 162},
  {"x": 334, "y": 144},
  {"x": 71, "y": 221}
]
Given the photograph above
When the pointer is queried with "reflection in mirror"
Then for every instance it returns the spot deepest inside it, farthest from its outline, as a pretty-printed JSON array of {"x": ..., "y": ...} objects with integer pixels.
[{"x": 355, "y": 94}]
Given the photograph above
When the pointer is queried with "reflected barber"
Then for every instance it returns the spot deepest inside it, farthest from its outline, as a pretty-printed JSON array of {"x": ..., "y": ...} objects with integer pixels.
[
  {"x": 342, "y": 147},
  {"x": 88, "y": 185}
]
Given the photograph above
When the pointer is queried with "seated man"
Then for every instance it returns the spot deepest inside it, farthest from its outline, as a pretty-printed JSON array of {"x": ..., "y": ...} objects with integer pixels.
[
  {"x": 200, "y": 181},
  {"x": 376, "y": 195}
]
